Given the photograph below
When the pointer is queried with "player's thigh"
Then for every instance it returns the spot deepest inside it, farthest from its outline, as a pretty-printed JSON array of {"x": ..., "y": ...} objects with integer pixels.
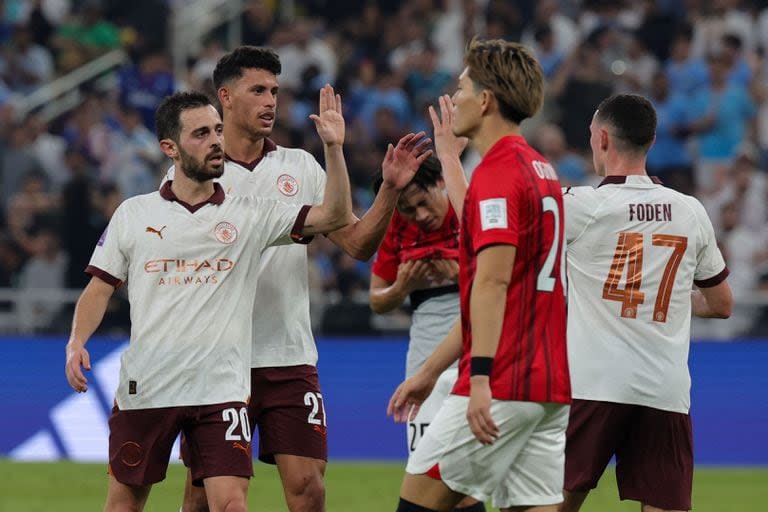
[
  {"x": 655, "y": 464},
  {"x": 595, "y": 431},
  {"x": 535, "y": 478},
  {"x": 291, "y": 414},
  {"x": 140, "y": 442},
  {"x": 450, "y": 451},
  {"x": 428, "y": 410},
  {"x": 225, "y": 491},
  {"x": 218, "y": 441}
]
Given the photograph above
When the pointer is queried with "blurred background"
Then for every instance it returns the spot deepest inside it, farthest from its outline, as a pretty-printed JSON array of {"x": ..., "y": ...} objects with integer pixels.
[{"x": 79, "y": 82}]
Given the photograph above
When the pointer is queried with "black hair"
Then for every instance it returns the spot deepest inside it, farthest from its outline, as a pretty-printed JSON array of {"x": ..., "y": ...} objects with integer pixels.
[
  {"x": 168, "y": 115},
  {"x": 427, "y": 175},
  {"x": 632, "y": 118},
  {"x": 231, "y": 65}
]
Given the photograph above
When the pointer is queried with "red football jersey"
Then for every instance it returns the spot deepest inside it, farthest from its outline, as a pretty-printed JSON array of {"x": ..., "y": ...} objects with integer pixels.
[
  {"x": 514, "y": 198},
  {"x": 405, "y": 241}
]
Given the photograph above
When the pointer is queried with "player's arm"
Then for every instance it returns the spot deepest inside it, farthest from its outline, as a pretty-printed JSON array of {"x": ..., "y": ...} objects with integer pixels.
[
  {"x": 386, "y": 295},
  {"x": 361, "y": 237},
  {"x": 411, "y": 394},
  {"x": 487, "y": 303},
  {"x": 336, "y": 207},
  {"x": 449, "y": 148},
  {"x": 713, "y": 302},
  {"x": 89, "y": 312}
]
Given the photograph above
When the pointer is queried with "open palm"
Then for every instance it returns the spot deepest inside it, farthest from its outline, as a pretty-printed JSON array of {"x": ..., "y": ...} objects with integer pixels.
[
  {"x": 330, "y": 120},
  {"x": 402, "y": 161}
]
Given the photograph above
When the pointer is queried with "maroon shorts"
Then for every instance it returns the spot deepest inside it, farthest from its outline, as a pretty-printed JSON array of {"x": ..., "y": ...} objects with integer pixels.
[
  {"x": 218, "y": 442},
  {"x": 653, "y": 448},
  {"x": 288, "y": 408}
]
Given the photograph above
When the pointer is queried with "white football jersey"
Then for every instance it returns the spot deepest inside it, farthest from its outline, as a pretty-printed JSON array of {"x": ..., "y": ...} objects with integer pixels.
[
  {"x": 635, "y": 250},
  {"x": 282, "y": 332},
  {"x": 190, "y": 284}
]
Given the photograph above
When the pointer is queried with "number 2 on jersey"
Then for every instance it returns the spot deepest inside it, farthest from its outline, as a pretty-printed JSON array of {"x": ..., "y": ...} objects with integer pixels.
[{"x": 629, "y": 254}]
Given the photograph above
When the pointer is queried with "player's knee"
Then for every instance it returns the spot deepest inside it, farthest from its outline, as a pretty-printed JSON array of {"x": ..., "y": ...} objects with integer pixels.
[
  {"x": 235, "y": 505},
  {"x": 307, "y": 489},
  {"x": 195, "y": 500}
]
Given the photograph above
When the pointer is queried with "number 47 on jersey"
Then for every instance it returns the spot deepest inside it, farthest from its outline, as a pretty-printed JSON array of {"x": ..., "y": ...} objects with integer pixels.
[{"x": 629, "y": 254}]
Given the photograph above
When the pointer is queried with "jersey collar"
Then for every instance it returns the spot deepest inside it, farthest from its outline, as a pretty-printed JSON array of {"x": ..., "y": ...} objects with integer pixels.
[
  {"x": 216, "y": 198},
  {"x": 634, "y": 179},
  {"x": 269, "y": 146}
]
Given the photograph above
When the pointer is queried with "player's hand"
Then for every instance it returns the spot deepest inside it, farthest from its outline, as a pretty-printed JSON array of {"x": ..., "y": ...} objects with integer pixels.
[
  {"x": 447, "y": 145},
  {"x": 412, "y": 275},
  {"x": 77, "y": 360},
  {"x": 402, "y": 161},
  {"x": 330, "y": 120},
  {"x": 408, "y": 397},
  {"x": 447, "y": 270},
  {"x": 479, "y": 410}
]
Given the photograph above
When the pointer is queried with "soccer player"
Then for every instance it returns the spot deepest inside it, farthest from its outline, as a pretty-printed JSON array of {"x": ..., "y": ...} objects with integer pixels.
[
  {"x": 418, "y": 258},
  {"x": 287, "y": 403},
  {"x": 190, "y": 255},
  {"x": 635, "y": 250},
  {"x": 501, "y": 433}
]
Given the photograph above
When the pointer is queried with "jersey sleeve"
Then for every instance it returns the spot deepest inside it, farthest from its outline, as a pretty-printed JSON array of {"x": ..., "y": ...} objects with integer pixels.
[
  {"x": 578, "y": 203},
  {"x": 493, "y": 212},
  {"x": 279, "y": 223},
  {"x": 387, "y": 260},
  {"x": 710, "y": 265},
  {"x": 109, "y": 261}
]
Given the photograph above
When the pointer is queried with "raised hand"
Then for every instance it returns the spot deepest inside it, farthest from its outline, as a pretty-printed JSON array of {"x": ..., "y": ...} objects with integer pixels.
[
  {"x": 402, "y": 161},
  {"x": 408, "y": 397},
  {"x": 329, "y": 123},
  {"x": 447, "y": 145}
]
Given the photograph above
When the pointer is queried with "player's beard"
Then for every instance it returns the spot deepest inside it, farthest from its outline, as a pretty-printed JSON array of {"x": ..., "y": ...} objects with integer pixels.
[{"x": 201, "y": 171}]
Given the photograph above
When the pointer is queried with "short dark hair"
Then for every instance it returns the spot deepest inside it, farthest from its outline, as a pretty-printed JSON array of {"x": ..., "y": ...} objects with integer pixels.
[
  {"x": 427, "y": 175},
  {"x": 168, "y": 115},
  {"x": 231, "y": 65},
  {"x": 632, "y": 118}
]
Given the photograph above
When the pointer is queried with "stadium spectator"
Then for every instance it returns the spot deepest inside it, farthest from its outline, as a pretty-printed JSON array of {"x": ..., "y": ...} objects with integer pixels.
[
  {"x": 506, "y": 396},
  {"x": 629, "y": 365},
  {"x": 145, "y": 84},
  {"x": 27, "y": 64},
  {"x": 43, "y": 272},
  {"x": 84, "y": 36}
]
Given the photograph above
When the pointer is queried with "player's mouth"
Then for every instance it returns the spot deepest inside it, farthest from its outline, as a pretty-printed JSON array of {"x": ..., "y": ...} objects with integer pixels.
[
  {"x": 267, "y": 118},
  {"x": 216, "y": 158}
]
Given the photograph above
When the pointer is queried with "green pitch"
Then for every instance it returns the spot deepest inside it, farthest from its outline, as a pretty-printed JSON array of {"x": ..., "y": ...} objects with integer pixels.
[{"x": 69, "y": 487}]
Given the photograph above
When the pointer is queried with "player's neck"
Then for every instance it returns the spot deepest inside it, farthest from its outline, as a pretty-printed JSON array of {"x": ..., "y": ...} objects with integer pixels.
[
  {"x": 622, "y": 166},
  {"x": 241, "y": 146},
  {"x": 490, "y": 131},
  {"x": 190, "y": 191}
]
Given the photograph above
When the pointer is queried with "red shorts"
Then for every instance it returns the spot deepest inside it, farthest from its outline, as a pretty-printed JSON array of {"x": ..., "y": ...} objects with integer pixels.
[
  {"x": 288, "y": 408},
  {"x": 218, "y": 442},
  {"x": 653, "y": 448}
]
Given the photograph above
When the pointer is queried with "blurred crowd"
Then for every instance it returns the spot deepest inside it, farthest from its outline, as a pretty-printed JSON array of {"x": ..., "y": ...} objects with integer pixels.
[{"x": 702, "y": 62}]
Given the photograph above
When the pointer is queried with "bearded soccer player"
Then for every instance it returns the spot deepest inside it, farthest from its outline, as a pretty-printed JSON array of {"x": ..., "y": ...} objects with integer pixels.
[
  {"x": 190, "y": 256},
  {"x": 501, "y": 433},
  {"x": 635, "y": 251},
  {"x": 287, "y": 403}
]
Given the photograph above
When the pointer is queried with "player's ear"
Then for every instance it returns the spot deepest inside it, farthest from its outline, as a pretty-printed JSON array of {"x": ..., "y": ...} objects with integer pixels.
[
  {"x": 168, "y": 147},
  {"x": 604, "y": 139},
  {"x": 487, "y": 99},
  {"x": 224, "y": 99}
]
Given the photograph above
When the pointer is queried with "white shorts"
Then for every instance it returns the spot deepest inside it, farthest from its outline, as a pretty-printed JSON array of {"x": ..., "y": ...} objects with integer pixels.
[
  {"x": 524, "y": 466},
  {"x": 429, "y": 409}
]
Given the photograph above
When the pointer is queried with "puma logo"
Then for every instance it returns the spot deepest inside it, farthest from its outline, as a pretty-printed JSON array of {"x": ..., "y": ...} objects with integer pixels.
[
  {"x": 159, "y": 233},
  {"x": 238, "y": 446}
]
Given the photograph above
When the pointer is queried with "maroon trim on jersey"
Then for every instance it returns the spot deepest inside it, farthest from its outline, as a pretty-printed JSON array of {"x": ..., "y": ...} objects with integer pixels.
[
  {"x": 269, "y": 146},
  {"x": 103, "y": 275},
  {"x": 713, "y": 281},
  {"x": 298, "y": 226},
  {"x": 216, "y": 198},
  {"x": 618, "y": 180}
]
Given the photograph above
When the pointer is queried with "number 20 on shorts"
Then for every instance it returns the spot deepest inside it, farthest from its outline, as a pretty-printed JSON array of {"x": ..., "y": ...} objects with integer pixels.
[{"x": 629, "y": 254}]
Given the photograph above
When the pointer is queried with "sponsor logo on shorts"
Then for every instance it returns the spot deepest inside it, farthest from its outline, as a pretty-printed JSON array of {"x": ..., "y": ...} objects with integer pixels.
[
  {"x": 287, "y": 185},
  {"x": 225, "y": 232},
  {"x": 239, "y": 446}
]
